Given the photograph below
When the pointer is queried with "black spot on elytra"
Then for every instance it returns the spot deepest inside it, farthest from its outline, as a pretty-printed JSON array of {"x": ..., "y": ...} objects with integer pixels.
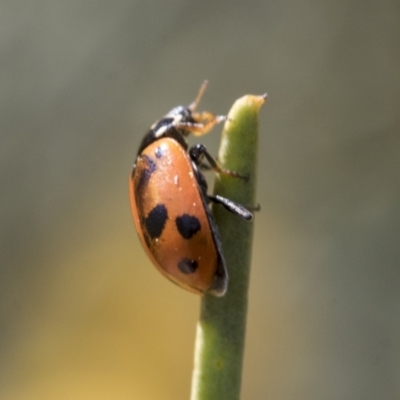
[
  {"x": 160, "y": 151},
  {"x": 187, "y": 225},
  {"x": 146, "y": 172},
  {"x": 187, "y": 266},
  {"x": 155, "y": 221}
]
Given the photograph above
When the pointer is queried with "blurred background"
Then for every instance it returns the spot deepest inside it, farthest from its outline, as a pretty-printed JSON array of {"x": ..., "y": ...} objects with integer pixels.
[{"x": 83, "y": 314}]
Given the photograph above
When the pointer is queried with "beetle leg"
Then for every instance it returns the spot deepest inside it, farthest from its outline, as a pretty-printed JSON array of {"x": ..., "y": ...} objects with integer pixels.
[
  {"x": 233, "y": 207},
  {"x": 200, "y": 128},
  {"x": 208, "y": 120},
  {"x": 198, "y": 152}
]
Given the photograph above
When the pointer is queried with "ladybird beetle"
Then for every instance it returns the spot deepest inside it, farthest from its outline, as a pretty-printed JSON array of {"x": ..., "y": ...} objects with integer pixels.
[{"x": 170, "y": 204}]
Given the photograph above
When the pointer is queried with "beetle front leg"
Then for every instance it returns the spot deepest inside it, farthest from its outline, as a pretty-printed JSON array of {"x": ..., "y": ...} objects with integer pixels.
[
  {"x": 198, "y": 152},
  {"x": 199, "y": 127}
]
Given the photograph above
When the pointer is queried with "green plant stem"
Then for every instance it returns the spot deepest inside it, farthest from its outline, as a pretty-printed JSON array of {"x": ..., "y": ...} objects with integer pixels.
[{"x": 221, "y": 328}]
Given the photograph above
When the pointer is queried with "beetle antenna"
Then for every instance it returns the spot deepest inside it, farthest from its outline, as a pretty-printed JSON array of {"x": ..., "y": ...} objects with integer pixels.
[{"x": 196, "y": 102}]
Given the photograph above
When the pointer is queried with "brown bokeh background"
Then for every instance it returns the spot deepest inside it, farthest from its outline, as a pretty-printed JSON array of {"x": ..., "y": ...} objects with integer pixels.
[{"x": 83, "y": 314}]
